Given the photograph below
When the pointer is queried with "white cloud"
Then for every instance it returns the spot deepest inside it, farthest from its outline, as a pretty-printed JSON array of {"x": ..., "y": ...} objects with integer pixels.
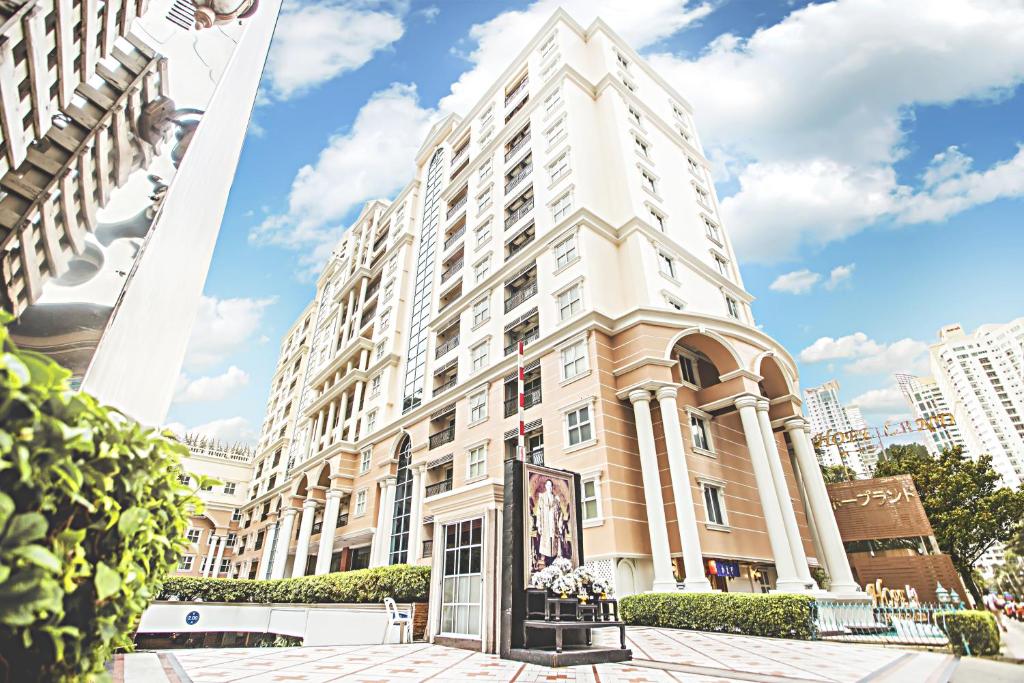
[
  {"x": 314, "y": 43},
  {"x": 839, "y": 275},
  {"x": 850, "y": 346},
  {"x": 222, "y": 327},
  {"x": 211, "y": 388},
  {"x": 229, "y": 429},
  {"x": 796, "y": 282},
  {"x": 374, "y": 159},
  {"x": 881, "y": 401}
]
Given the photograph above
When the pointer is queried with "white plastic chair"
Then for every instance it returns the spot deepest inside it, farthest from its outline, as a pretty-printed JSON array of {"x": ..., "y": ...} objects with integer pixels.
[{"x": 402, "y": 620}]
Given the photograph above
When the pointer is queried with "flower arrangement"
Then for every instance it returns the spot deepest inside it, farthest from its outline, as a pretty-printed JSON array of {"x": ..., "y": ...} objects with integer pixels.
[
  {"x": 584, "y": 576},
  {"x": 560, "y": 577},
  {"x": 545, "y": 577},
  {"x": 600, "y": 587},
  {"x": 565, "y": 584},
  {"x": 562, "y": 564}
]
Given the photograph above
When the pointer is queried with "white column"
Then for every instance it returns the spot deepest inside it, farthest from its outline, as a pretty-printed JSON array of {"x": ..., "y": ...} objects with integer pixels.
[
  {"x": 305, "y": 531},
  {"x": 339, "y": 429},
  {"x": 811, "y": 524},
  {"x": 356, "y": 398},
  {"x": 268, "y": 545},
  {"x": 220, "y": 555},
  {"x": 796, "y": 545},
  {"x": 349, "y": 314},
  {"x": 787, "y": 580},
  {"x": 212, "y": 543},
  {"x": 416, "y": 514},
  {"x": 314, "y": 435},
  {"x": 817, "y": 495},
  {"x": 385, "y": 517},
  {"x": 327, "y": 529},
  {"x": 329, "y": 436},
  {"x": 281, "y": 556},
  {"x": 689, "y": 536},
  {"x": 664, "y": 581}
]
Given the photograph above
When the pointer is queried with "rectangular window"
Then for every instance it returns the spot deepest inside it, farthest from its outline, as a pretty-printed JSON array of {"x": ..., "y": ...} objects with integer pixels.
[
  {"x": 666, "y": 265},
  {"x": 675, "y": 303},
  {"x": 185, "y": 564},
  {"x": 481, "y": 311},
  {"x": 365, "y": 457},
  {"x": 559, "y": 168},
  {"x": 483, "y": 233},
  {"x": 566, "y": 252},
  {"x": 236, "y": 515},
  {"x": 487, "y": 117},
  {"x": 574, "y": 359},
  {"x": 371, "y": 421},
  {"x": 478, "y": 356},
  {"x": 225, "y": 566},
  {"x": 578, "y": 427},
  {"x": 375, "y": 386},
  {"x": 702, "y": 195},
  {"x": 381, "y": 350},
  {"x": 482, "y": 270},
  {"x": 485, "y": 171},
  {"x": 630, "y": 86},
  {"x": 650, "y": 183},
  {"x": 570, "y": 302},
  {"x": 723, "y": 265},
  {"x": 642, "y": 148},
  {"x": 552, "y": 101},
  {"x": 232, "y": 540},
  {"x": 193, "y": 535},
  {"x": 477, "y": 462},
  {"x": 555, "y": 131},
  {"x": 693, "y": 165},
  {"x": 360, "y": 507},
  {"x": 548, "y": 45},
  {"x": 635, "y": 116},
  {"x": 229, "y": 488},
  {"x": 658, "y": 220},
  {"x": 712, "y": 230},
  {"x": 591, "y": 500},
  {"x": 732, "y": 307},
  {"x": 699, "y": 432},
  {"x": 688, "y": 370},
  {"x": 713, "y": 504},
  {"x": 478, "y": 406},
  {"x": 623, "y": 62},
  {"x": 483, "y": 201},
  {"x": 561, "y": 207}
]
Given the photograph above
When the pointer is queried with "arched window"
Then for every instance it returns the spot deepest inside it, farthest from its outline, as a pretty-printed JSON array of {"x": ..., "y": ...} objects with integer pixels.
[{"x": 402, "y": 518}]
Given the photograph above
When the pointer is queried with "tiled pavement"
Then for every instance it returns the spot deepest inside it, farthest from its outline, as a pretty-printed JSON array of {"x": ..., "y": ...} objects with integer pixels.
[{"x": 660, "y": 656}]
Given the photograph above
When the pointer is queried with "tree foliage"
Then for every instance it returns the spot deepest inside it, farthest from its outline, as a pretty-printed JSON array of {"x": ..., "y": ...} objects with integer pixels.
[
  {"x": 92, "y": 518},
  {"x": 967, "y": 507},
  {"x": 834, "y": 474}
]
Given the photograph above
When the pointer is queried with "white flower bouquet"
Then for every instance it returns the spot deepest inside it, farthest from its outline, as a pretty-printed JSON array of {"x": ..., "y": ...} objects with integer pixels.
[
  {"x": 584, "y": 576},
  {"x": 565, "y": 584}
]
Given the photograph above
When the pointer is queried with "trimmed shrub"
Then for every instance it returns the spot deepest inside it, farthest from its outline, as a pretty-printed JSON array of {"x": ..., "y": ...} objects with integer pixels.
[
  {"x": 403, "y": 582},
  {"x": 92, "y": 518},
  {"x": 775, "y": 616},
  {"x": 976, "y": 628}
]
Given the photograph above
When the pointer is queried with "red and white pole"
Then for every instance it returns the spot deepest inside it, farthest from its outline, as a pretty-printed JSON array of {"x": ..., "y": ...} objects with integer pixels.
[{"x": 520, "y": 355}]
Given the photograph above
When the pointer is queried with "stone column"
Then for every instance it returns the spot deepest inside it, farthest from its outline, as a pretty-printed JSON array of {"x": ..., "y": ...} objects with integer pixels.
[
  {"x": 356, "y": 399},
  {"x": 220, "y": 556},
  {"x": 268, "y": 546},
  {"x": 664, "y": 581},
  {"x": 212, "y": 548},
  {"x": 314, "y": 439},
  {"x": 689, "y": 536},
  {"x": 329, "y": 431},
  {"x": 281, "y": 558},
  {"x": 817, "y": 495},
  {"x": 811, "y": 524},
  {"x": 796, "y": 545},
  {"x": 327, "y": 529},
  {"x": 349, "y": 313},
  {"x": 787, "y": 581},
  {"x": 385, "y": 519},
  {"x": 416, "y": 514},
  {"x": 305, "y": 531},
  {"x": 339, "y": 429}
]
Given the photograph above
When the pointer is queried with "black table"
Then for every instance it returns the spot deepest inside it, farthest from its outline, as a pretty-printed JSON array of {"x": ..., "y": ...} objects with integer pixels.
[{"x": 560, "y": 626}]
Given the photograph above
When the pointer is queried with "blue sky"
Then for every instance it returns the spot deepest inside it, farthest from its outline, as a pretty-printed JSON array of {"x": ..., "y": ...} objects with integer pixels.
[{"x": 868, "y": 159}]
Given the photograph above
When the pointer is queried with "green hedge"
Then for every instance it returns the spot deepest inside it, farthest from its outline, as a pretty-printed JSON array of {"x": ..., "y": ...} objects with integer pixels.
[
  {"x": 776, "y": 616},
  {"x": 92, "y": 518},
  {"x": 975, "y": 627},
  {"x": 403, "y": 582}
]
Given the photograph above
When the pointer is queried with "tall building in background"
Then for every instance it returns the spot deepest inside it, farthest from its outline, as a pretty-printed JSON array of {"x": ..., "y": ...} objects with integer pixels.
[
  {"x": 980, "y": 376},
  {"x": 828, "y": 415},
  {"x": 927, "y": 403},
  {"x": 107, "y": 225},
  {"x": 570, "y": 211}
]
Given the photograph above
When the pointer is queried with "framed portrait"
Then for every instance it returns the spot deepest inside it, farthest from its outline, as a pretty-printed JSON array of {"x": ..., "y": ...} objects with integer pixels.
[{"x": 549, "y": 518}]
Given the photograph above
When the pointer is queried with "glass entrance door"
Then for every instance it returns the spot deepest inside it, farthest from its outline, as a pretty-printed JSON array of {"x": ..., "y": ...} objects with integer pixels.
[{"x": 462, "y": 578}]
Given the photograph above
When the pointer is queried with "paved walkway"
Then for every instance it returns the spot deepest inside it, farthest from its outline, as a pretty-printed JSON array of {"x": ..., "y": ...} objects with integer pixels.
[{"x": 661, "y": 656}]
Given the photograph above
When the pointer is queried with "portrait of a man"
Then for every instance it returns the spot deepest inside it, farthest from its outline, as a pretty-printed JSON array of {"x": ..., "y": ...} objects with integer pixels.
[{"x": 550, "y": 518}]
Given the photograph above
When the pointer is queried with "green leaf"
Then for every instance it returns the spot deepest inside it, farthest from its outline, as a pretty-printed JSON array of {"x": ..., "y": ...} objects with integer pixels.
[
  {"x": 131, "y": 520},
  {"x": 107, "y": 581},
  {"x": 24, "y": 528},
  {"x": 39, "y": 556}
]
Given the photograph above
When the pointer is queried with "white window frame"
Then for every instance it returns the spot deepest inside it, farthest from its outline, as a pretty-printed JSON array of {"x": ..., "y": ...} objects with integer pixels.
[
  {"x": 186, "y": 562},
  {"x": 695, "y": 384},
  {"x": 479, "y": 354},
  {"x": 649, "y": 181},
  {"x": 554, "y": 133},
  {"x": 719, "y": 486},
  {"x": 658, "y": 219},
  {"x": 480, "y": 450},
  {"x": 582, "y": 369},
  {"x": 674, "y": 302},
  {"x": 478, "y": 405},
  {"x": 622, "y": 60},
  {"x": 481, "y": 269},
  {"x": 359, "y": 503},
  {"x": 198, "y": 535},
  {"x": 666, "y": 265},
  {"x": 375, "y": 384},
  {"x": 642, "y": 147},
  {"x": 371, "y": 421},
  {"x": 732, "y": 307},
  {"x": 558, "y": 168},
  {"x": 230, "y": 485},
  {"x": 481, "y": 307},
  {"x": 562, "y": 318},
  {"x": 385, "y": 318},
  {"x": 483, "y": 233},
  {"x": 722, "y": 265},
  {"x": 705, "y": 420},
  {"x": 566, "y": 252},
  {"x": 568, "y": 446},
  {"x": 712, "y": 230},
  {"x": 598, "y": 518},
  {"x": 365, "y": 460},
  {"x": 552, "y": 102},
  {"x": 703, "y": 196},
  {"x": 236, "y": 515},
  {"x": 484, "y": 200},
  {"x": 561, "y": 206}
]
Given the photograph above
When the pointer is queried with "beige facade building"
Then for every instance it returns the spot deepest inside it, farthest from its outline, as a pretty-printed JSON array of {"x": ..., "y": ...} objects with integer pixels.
[{"x": 572, "y": 208}]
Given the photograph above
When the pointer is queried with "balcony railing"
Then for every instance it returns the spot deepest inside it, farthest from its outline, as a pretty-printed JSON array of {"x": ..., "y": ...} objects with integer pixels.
[
  {"x": 445, "y": 387},
  {"x": 514, "y": 217},
  {"x": 447, "y": 346},
  {"x": 514, "y": 248},
  {"x": 518, "y": 178},
  {"x": 530, "y": 336},
  {"x": 343, "y": 519},
  {"x": 532, "y": 398},
  {"x": 428, "y": 548},
  {"x": 451, "y": 240},
  {"x": 521, "y": 296},
  {"x": 452, "y": 269},
  {"x": 440, "y": 487},
  {"x": 460, "y": 156},
  {"x": 516, "y": 146},
  {"x": 509, "y": 98},
  {"x": 317, "y": 527},
  {"x": 454, "y": 208},
  {"x": 446, "y": 435}
]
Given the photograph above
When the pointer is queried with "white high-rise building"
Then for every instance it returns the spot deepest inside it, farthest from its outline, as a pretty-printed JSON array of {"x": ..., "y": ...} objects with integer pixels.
[
  {"x": 828, "y": 416},
  {"x": 980, "y": 376},
  {"x": 928, "y": 404}
]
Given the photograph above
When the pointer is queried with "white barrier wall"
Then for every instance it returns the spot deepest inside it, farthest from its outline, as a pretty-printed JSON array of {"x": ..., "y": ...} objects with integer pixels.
[{"x": 326, "y": 624}]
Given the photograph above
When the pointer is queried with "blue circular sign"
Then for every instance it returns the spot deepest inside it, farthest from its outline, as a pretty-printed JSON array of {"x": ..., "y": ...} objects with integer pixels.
[{"x": 192, "y": 618}]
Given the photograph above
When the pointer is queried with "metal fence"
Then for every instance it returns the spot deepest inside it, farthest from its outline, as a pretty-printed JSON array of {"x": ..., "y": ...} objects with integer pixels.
[{"x": 907, "y": 624}]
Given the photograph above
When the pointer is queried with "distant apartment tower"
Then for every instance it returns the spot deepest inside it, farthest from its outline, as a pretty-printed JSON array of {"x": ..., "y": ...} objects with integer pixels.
[
  {"x": 828, "y": 415},
  {"x": 927, "y": 403},
  {"x": 980, "y": 377},
  {"x": 212, "y": 534}
]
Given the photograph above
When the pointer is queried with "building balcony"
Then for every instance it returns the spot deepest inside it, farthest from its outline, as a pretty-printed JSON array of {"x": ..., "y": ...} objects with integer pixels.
[
  {"x": 530, "y": 399},
  {"x": 438, "y": 390},
  {"x": 518, "y": 177},
  {"x": 446, "y": 347},
  {"x": 516, "y": 145},
  {"x": 518, "y": 90},
  {"x": 531, "y": 336},
  {"x": 446, "y": 435},
  {"x": 428, "y": 548},
  {"x": 452, "y": 269},
  {"x": 454, "y": 237},
  {"x": 343, "y": 519},
  {"x": 459, "y": 161},
  {"x": 515, "y": 216},
  {"x": 442, "y": 486},
  {"x": 454, "y": 208},
  {"x": 317, "y": 527},
  {"x": 526, "y": 292}
]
